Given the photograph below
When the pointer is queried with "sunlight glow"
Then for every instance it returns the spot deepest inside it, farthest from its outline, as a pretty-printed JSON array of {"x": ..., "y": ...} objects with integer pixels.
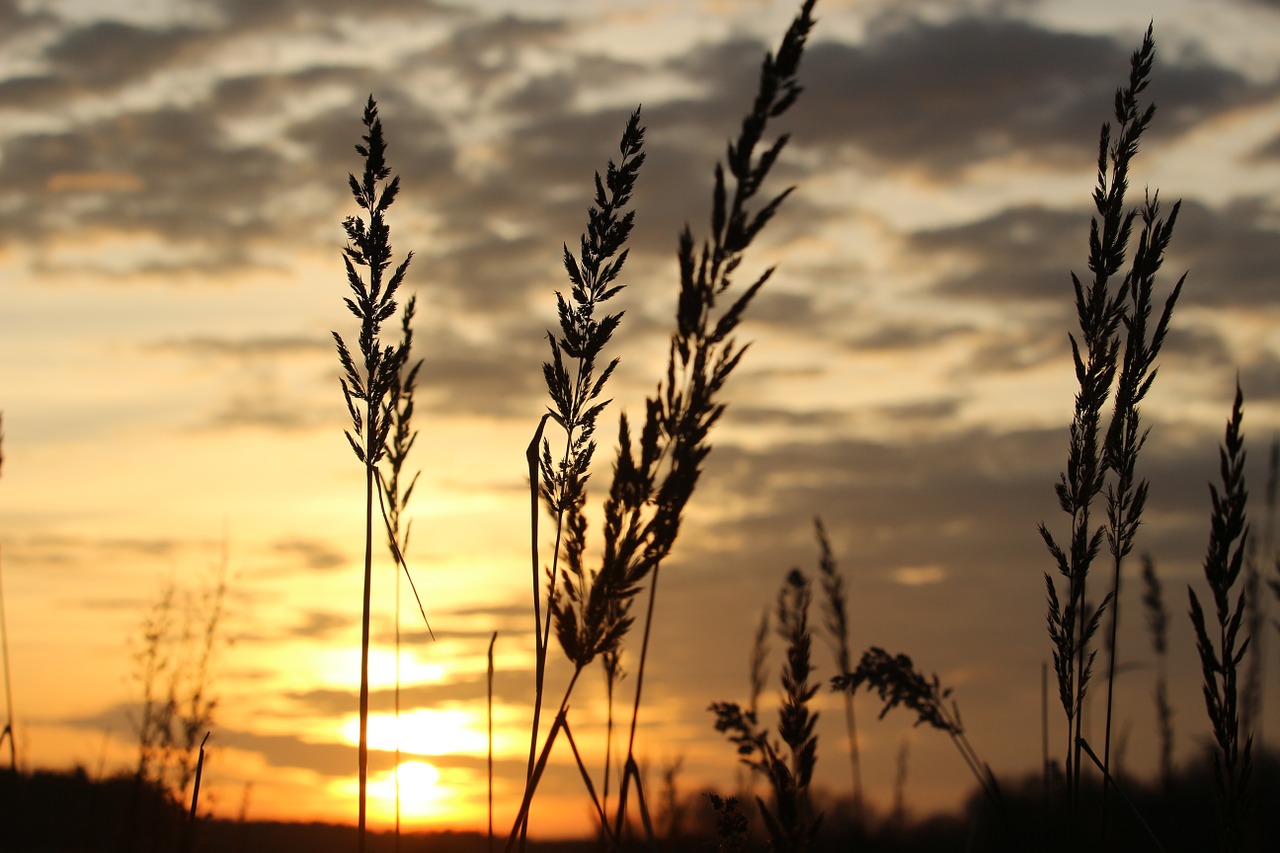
[
  {"x": 341, "y": 667},
  {"x": 425, "y": 731},
  {"x": 423, "y": 799}
]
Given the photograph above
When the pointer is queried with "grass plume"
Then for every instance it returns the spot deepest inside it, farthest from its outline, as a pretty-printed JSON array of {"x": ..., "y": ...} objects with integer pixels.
[
  {"x": 897, "y": 682},
  {"x": 575, "y": 383},
  {"x": 1220, "y": 661},
  {"x": 365, "y": 387},
  {"x": 789, "y": 821},
  {"x": 7, "y": 732},
  {"x": 396, "y": 492},
  {"x": 703, "y": 354},
  {"x": 1158, "y": 627},
  {"x": 1104, "y": 307},
  {"x": 836, "y": 610}
]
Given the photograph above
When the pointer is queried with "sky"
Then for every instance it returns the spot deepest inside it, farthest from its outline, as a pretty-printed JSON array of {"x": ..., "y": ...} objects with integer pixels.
[{"x": 172, "y": 187}]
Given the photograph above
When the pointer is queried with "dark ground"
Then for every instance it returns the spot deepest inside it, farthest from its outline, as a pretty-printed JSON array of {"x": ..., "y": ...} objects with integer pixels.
[{"x": 47, "y": 812}]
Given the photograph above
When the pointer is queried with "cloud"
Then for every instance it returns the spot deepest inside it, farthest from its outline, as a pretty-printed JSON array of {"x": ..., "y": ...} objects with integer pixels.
[
  {"x": 264, "y": 406},
  {"x": 1232, "y": 252},
  {"x": 251, "y": 16},
  {"x": 245, "y": 349},
  {"x": 318, "y": 625},
  {"x": 892, "y": 335},
  {"x": 192, "y": 188},
  {"x": 487, "y": 55},
  {"x": 310, "y": 555},
  {"x": 88, "y": 552},
  {"x": 337, "y": 760},
  {"x": 510, "y": 686},
  {"x": 940, "y": 97},
  {"x": 107, "y": 54},
  {"x": 1020, "y": 253}
]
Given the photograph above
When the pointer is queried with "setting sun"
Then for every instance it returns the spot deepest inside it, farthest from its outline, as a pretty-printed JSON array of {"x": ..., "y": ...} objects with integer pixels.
[{"x": 424, "y": 799}]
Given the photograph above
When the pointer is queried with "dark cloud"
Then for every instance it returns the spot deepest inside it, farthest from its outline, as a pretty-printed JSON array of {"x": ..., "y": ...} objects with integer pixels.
[
  {"x": 317, "y": 625},
  {"x": 1020, "y": 253},
  {"x": 958, "y": 511},
  {"x": 953, "y": 484},
  {"x": 326, "y": 758},
  {"x": 419, "y": 148},
  {"x": 264, "y": 405},
  {"x": 1269, "y": 151},
  {"x": 487, "y": 53},
  {"x": 106, "y": 54},
  {"x": 1018, "y": 347},
  {"x": 890, "y": 335},
  {"x": 502, "y": 378},
  {"x": 22, "y": 21},
  {"x": 940, "y": 97},
  {"x": 1027, "y": 252},
  {"x": 499, "y": 612},
  {"x": 310, "y": 555},
  {"x": 938, "y": 410},
  {"x": 262, "y": 93},
  {"x": 244, "y": 349},
  {"x": 1231, "y": 252},
  {"x": 75, "y": 552},
  {"x": 176, "y": 179},
  {"x": 1260, "y": 378},
  {"x": 238, "y": 16},
  {"x": 745, "y": 415}
]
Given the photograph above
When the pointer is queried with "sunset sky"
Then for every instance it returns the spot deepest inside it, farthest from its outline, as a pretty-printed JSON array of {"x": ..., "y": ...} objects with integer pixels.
[{"x": 172, "y": 187}]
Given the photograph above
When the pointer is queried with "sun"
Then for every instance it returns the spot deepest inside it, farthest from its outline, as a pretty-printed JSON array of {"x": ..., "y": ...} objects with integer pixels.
[
  {"x": 429, "y": 795},
  {"x": 417, "y": 775},
  {"x": 424, "y": 798}
]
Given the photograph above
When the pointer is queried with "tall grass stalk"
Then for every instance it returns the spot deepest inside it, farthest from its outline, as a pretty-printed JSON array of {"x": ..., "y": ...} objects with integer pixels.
[
  {"x": 613, "y": 673},
  {"x": 189, "y": 831},
  {"x": 489, "y": 718},
  {"x": 1126, "y": 493},
  {"x": 1220, "y": 661},
  {"x": 1137, "y": 814},
  {"x": 759, "y": 659},
  {"x": 1103, "y": 306},
  {"x": 396, "y": 493},
  {"x": 701, "y": 357},
  {"x": 590, "y": 609},
  {"x": 4, "y": 649},
  {"x": 788, "y": 766},
  {"x": 7, "y": 732},
  {"x": 836, "y": 610},
  {"x": 1158, "y": 626},
  {"x": 901, "y": 772},
  {"x": 575, "y": 383},
  {"x": 365, "y": 387}
]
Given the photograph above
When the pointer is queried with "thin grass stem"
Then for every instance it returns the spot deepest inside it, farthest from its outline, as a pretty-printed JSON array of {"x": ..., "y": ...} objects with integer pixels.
[
  {"x": 489, "y": 717},
  {"x": 1155, "y": 840},
  {"x": 586, "y": 779},
  {"x": 190, "y": 830}
]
